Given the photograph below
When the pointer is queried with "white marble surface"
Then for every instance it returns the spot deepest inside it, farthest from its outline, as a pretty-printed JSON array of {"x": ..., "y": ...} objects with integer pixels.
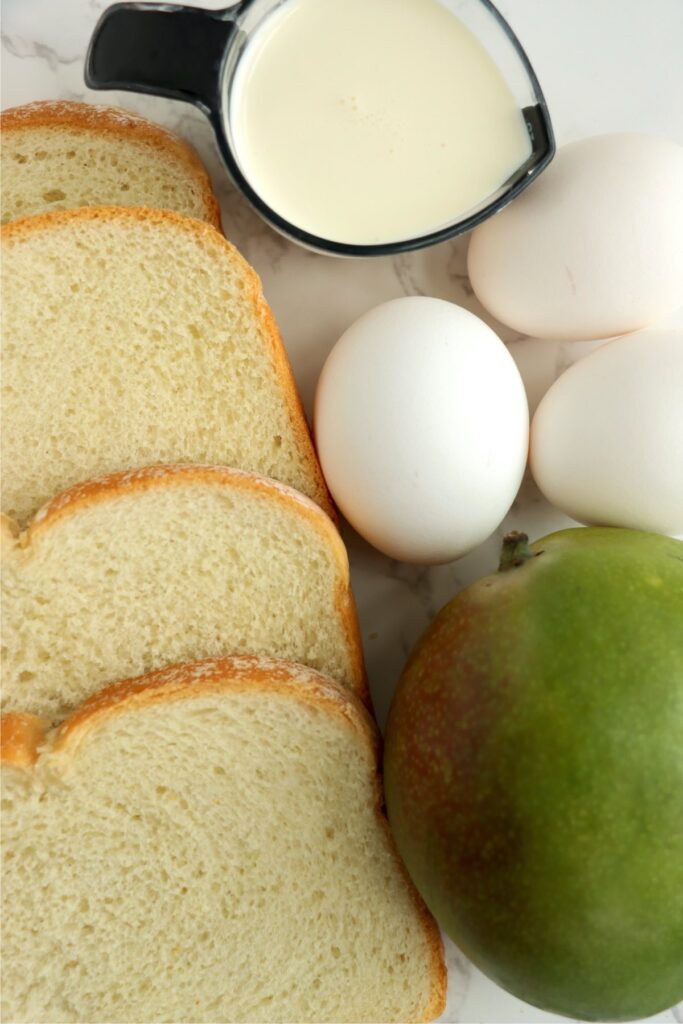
[{"x": 605, "y": 65}]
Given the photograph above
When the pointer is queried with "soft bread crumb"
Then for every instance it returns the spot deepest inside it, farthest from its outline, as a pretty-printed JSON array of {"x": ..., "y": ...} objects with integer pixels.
[
  {"x": 57, "y": 155},
  {"x": 142, "y": 569},
  {"x": 213, "y": 851},
  {"x": 139, "y": 336}
]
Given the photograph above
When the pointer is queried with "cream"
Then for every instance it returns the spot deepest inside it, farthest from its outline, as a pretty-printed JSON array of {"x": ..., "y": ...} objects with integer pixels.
[{"x": 370, "y": 121}]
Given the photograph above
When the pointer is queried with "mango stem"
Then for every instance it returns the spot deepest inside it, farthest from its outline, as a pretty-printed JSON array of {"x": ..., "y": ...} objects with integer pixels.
[{"x": 515, "y": 551}]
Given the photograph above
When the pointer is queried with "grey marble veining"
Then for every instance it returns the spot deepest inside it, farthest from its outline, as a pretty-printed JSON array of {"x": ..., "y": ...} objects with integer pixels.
[{"x": 608, "y": 66}]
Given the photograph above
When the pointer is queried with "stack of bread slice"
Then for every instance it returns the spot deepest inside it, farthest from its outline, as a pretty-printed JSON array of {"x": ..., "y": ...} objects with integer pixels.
[
  {"x": 204, "y": 842},
  {"x": 58, "y": 155},
  {"x": 135, "y": 336}
]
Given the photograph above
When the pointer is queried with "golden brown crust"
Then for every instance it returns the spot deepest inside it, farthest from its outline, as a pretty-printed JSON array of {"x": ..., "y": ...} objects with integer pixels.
[
  {"x": 438, "y": 974},
  {"x": 21, "y": 735},
  {"x": 9, "y": 529},
  {"x": 265, "y": 675},
  {"x": 348, "y": 613},
  {"x": 119, "y": 123},
  {"x": 234, "y": 674},
  {"x": 19, "y": 230},
  {"x": 148, "y": 478},
  {"x": 91, "y": 492}
]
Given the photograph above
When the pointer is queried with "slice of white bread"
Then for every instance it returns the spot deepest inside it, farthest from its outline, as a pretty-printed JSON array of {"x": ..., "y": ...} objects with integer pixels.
[
  {"x": 207, "y": 843},
  {"x": 56, "y": 155},
  {"x": 133, "y": 572},
  {"x": 133, "y": 336}
]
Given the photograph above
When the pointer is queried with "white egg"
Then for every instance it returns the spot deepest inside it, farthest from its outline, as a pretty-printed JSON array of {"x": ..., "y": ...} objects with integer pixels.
[
  {"x": 422, "y": 426},
  {"x": 607, "y": 438},
  {"x": 594, "y": 248}
]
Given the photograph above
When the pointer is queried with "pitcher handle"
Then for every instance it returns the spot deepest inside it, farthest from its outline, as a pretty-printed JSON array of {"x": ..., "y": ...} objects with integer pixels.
[{"x": 162, "y": 49}]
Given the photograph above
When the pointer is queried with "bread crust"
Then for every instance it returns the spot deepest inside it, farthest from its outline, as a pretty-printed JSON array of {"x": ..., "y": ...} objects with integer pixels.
[
  {"x": 97, "y": 119},
  {"x": 238, "y": 675},
  {"x": 129, "y": 482},
  {"x": 21, "y": 736},
  {"x": 19, "y": 230}
]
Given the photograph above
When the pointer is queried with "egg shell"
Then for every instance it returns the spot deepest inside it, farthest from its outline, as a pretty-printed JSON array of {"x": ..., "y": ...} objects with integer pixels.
[
  {"x": 594, "y": 248},
  {"x": 421, "y": 424},
  {"x": 607, "y": 438}
]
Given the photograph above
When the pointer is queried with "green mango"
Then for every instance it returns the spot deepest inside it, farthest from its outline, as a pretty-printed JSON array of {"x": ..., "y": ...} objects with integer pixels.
[{"x": 534, "y": 772}]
